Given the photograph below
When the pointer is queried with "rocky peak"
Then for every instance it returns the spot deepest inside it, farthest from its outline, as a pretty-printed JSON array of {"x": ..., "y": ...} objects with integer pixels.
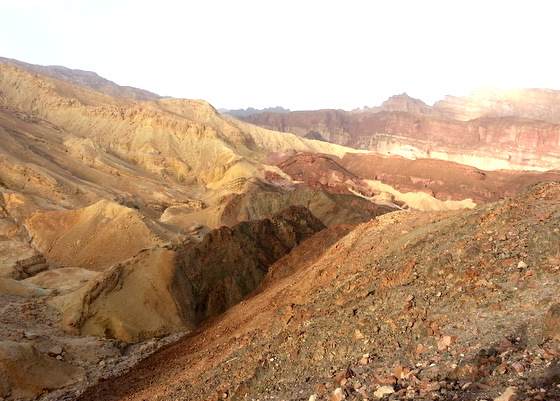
[{"x": 403, "y": 102}]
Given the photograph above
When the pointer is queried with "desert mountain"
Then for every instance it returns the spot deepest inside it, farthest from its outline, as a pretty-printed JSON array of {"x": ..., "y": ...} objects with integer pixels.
[
  {"x": 86, "y": 79},
  {"x": 250, "y": 111},
  {"x": 490, "y": 129},
  {"x": 127, "y": 224},
  {"x": 390, "y": 308}
]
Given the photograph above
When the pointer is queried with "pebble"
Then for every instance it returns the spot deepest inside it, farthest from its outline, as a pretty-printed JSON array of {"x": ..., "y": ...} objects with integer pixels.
[
  {"x": 552, "y": 322},
  {"x": 338, "y": 394},
  {"x": 383, "y": 390},
  {"x": 56, "y": 350}
]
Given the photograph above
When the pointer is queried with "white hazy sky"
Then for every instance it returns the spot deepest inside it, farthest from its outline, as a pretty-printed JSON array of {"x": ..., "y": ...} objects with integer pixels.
[{"x": 299, "y": 54}]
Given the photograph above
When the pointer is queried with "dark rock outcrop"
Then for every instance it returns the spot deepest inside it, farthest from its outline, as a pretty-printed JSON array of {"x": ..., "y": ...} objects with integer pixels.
[{"x": 231, "y": 262}]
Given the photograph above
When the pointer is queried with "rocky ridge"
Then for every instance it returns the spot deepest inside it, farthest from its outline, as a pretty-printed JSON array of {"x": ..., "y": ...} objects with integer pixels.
[
  {"x": 388, "y": 312},
  {"x": 85, "y": 79}
]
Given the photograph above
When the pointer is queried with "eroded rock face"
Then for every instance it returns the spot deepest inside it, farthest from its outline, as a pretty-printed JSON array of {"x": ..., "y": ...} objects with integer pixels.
[
  {"x": 526, "y": 136},
  {"x": 131, "y": 301},
  {"x": 231, "y": 262},
  {"x": 161, "y": 291},
  {"x": 329, "y": 208},
  {"x": 422, "y": 302},
  {"x": 25, "y": 372}
]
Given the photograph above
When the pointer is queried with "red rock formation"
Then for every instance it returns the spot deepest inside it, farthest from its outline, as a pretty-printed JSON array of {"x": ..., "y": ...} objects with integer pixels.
[{"x": 537, "y": 104}]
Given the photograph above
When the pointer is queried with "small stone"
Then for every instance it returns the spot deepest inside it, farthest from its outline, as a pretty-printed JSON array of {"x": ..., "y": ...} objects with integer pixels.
[
  {"x": 54, "y": 351},
  {"x": 313, "y": 397},
  {"x": 552, "y": 322},
  {"x": 467, "y": 371},
  {"x": 343, "y": 375},
  {"x": 518, "y": 367},
  {"x": 359, "y": 335},
  {"x": 521, "y": 265},
  {"x": 365, "y": 359},
  {"x": 338, "y": 394},
  {"x": 501, "y": 369},
  {"x": 444, "y": 342},
  {"x": 508, "y": 262},
  {"x": 401, "y": 372},
  {"x": 506, "y": 395},
  {"x": 383, "y": 391}
]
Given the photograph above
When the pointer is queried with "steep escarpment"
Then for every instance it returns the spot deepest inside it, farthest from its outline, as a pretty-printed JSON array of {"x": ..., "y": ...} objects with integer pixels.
[{"x": 514, "y": 139}]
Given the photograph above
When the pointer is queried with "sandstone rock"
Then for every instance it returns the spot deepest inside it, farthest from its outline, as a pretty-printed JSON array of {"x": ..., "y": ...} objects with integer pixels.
[
  {"x": 142, "y": 298},
  {"x": 413, "y": 135},
  {"x": 13, "y": 287},
  {"x": 86, "y": 237},
  {"x": 28, "y": 373},
  {"x": 160, "y": 291},
  {"x": 64, "y": 279}
]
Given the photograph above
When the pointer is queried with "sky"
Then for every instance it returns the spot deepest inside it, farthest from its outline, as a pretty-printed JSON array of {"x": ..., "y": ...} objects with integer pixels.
[{"x": 301, "y": 55}]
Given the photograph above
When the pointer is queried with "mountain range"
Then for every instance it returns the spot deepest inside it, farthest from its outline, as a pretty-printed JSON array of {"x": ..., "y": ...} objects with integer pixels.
[{"x": 280, "y": 255}]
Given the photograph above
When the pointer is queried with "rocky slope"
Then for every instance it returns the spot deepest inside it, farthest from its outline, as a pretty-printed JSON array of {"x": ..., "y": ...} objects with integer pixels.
[
  {"x": 48, "y": 320},
  {"x": 388, "y": 312}
]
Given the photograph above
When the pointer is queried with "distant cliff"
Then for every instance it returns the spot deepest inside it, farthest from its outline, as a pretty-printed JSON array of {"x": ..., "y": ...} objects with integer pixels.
[{"x": 512, "y": 129}]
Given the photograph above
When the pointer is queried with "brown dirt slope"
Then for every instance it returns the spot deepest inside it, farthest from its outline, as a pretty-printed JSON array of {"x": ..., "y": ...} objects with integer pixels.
[{"x": 431, "y": 305}]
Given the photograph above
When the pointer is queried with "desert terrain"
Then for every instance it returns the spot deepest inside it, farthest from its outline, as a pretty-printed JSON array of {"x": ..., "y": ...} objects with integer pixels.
[{"x": 153, "y": 248}]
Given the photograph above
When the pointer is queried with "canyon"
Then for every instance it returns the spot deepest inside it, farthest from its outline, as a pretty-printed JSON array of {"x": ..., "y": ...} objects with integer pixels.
[{"x": 142, "y": 234}]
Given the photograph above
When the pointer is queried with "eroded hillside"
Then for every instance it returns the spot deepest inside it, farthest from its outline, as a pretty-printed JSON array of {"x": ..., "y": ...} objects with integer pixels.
[
  {"x": 127, "y": 224},
  {"x": 422, "y": 305}
]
